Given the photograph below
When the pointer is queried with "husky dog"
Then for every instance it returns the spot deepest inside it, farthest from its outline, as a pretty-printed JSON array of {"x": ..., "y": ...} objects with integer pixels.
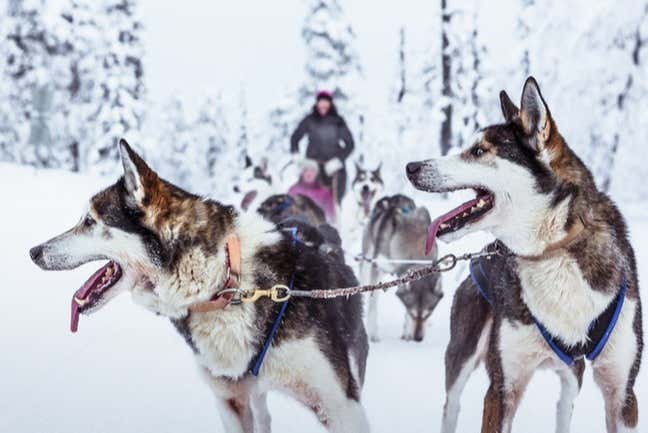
[
  {"x": 366, "y": 186},
  {"x": 255, "y": 183},
  {"x": 279, "y": 207},
  {"x": 394, "y": 231},
  {"x": 568, "y": 270},
  {"x": 176, "y": 252},
  {"x": 302, "y": 212}
]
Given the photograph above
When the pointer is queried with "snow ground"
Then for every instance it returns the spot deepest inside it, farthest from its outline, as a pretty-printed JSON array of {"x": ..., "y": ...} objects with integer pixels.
[{"x": 128, "y": 371}]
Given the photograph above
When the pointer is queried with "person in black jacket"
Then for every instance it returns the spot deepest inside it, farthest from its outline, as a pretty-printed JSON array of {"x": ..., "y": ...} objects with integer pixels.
[{"x": 329, "y": 142}]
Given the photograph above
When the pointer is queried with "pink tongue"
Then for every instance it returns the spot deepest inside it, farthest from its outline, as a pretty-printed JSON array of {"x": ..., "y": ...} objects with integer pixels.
[
  {"x": 431, "y": 236},
  {"x": 82, "y": 294},
  {"x": 74, "y": 319},
  {"x": 434, "y": 227}
]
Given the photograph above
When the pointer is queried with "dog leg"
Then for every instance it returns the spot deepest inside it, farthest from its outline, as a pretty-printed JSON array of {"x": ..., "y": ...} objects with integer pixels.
[
  {"x": 510, "y": 363},
  {"x": 346, "y": 416},
  {"x": 236, "y": 415},
  {"x": 262, "y": 418},
  {"x": 571, "y": 380},
  {"x": 470, "y": 328},
  {"x": 616, "y": 368},
  {"x": 372, "y": 317},
  {"x": 233, "y": 403},
  {"x": 408, "y": 328},
  {"x": 461, "y": 359},
  {"x": 372, "y": 310}
]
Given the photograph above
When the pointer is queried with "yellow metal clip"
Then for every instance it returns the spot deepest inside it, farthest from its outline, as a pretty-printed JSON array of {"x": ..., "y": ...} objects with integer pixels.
[{"x": 278, "y": 293}]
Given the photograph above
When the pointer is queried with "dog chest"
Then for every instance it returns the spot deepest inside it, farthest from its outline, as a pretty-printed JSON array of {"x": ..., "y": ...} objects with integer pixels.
[{"x": 560, "y": 298}]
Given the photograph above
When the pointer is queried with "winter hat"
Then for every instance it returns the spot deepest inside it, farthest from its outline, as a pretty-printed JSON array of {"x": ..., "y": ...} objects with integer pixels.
[{"x": 324, "y": 94}]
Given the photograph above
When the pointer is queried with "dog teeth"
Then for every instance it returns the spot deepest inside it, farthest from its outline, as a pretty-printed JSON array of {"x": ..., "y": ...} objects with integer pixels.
[
  {"x": 481, "y": 203},
  {"x": 444, "y": 226}
]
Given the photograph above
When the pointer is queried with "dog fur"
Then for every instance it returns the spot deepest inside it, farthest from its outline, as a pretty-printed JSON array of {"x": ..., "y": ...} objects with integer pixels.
[
  {"x": 541, "y": 190},
  {"x": 170, "y": 245}
]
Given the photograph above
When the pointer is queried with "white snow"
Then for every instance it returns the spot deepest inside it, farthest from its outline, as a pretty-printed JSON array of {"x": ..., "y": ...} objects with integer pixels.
[{"x": 127, "y": 370}]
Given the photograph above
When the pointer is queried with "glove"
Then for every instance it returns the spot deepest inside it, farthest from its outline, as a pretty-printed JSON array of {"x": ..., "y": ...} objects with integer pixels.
[{"x": 332, "y": 166}]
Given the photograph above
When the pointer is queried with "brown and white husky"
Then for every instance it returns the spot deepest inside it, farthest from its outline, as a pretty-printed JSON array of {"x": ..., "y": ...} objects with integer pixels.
[
  {"x": 568, "y": 267},
  {"x": 176, "y": 252}
]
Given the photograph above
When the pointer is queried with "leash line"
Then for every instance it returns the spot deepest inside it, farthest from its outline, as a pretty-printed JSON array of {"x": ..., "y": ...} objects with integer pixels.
[{"x": 444, "y": 264}]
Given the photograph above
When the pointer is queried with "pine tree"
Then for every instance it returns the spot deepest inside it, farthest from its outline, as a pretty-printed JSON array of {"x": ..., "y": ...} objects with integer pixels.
[
  {"x": 176, "y": 148},
  {"x": 34, "y": 65},
  {"x": 212, "y": 131},
  {"x": 332, "y": 62},
  {"x": 469, "y": 78},
  {"x": 446, "y": 80},
  {"x": 242, "y": 139},
  {"x": 118, "y": 89},
  {"x": 282, "y": 120}
]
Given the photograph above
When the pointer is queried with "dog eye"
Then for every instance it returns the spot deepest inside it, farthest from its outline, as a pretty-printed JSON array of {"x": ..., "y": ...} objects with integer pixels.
[
  {"x": 88, "y": 221},
  {"x": 477, "y": 151}
]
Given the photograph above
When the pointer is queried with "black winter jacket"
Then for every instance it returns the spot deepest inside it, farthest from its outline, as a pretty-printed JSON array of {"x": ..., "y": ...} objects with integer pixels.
[{"x": 328, "y": 136}]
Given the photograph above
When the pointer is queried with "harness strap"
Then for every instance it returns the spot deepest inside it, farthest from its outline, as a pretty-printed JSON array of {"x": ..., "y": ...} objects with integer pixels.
[
  {"x": 617, "y": 311},
  {"x": 481, "y": 279},
  {"x": 258, "y": 362}
]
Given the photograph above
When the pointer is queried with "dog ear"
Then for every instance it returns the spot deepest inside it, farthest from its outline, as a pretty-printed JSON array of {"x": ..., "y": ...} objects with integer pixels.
[
  {"x": 377, "y": 170},
  {"x": 137, "y": 175},
  {"x": 535, "y": 117},
  {"x": 509, "y": 109}
]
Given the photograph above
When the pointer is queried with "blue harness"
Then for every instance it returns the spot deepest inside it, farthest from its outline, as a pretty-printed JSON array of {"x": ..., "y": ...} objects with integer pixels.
[
  {"x": 599, "y": 331},
  {"x": 258, "y": 362}
]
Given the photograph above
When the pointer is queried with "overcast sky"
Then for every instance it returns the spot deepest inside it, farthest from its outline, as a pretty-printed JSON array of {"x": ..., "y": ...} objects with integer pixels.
[{"x": 194, "y": 46}]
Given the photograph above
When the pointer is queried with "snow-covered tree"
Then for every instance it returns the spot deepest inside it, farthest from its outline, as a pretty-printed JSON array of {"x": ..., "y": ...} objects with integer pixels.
[
  {"x": 33, "y": 57},
  {"x": 470, "y": 83},
  {"x": 176, "y": 149},
  {"x": 332, "y": 62},
  {"x": 212, "y": 131},
  {"x": 282, "y": 120},
  {"x": 117, "y": 88}
]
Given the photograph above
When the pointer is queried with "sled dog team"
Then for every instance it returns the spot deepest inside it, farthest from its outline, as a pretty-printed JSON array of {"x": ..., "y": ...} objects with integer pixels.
[{"x": 562, "y": 286}]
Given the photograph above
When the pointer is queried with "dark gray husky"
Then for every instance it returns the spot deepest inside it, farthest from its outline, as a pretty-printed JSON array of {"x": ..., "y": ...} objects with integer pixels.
[{"x": 395, "y": 231}]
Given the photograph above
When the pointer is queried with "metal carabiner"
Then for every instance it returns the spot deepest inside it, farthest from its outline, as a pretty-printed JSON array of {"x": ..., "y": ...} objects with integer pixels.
[{"x": 277, "y": 293}]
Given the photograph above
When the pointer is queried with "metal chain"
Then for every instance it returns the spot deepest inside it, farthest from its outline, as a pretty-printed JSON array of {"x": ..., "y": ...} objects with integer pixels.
[{"x": 444, "y": 264}]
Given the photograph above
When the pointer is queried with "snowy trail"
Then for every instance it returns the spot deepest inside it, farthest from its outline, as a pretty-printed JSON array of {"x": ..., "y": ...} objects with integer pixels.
[{"x": 127, "y": 370}]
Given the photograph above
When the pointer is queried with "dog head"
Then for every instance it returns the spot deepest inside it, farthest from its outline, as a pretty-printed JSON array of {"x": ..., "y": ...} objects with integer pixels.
[
  {"x": 367, "y": 186},
  {"x": 162, "y": 243},
  {"x": 255, "y": 182},
  {"x": 513, "y": 168},
  {"x": 420, "y": 298},
  {"x": 279, "y": 207}
]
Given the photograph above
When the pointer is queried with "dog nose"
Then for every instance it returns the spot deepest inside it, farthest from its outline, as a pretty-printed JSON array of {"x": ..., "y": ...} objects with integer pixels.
[
  {"x": 413, "y": 167},
  {"x": 36, "y": 253},
  {"x": 365, "y": 188}
]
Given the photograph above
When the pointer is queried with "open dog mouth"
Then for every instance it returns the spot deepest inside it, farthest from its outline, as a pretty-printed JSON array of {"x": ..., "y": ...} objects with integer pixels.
[
  {"x": 367, "y": 196},
  {"x": 91, "y": 294},
  {"x": 467, "y": 213}
]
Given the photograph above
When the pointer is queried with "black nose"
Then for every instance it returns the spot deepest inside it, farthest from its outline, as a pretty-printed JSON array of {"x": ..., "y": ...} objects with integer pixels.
[
  {"x": 365, "y": 188},
  {"x": 36, "y": 253},
  {"x": 413, "y": 167}
]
